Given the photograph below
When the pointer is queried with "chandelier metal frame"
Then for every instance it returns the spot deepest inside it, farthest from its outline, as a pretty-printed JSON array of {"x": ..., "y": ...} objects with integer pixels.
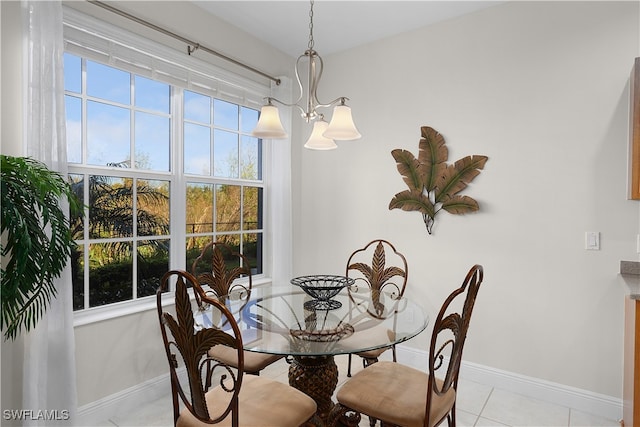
[{"x": 341, "y": 126}]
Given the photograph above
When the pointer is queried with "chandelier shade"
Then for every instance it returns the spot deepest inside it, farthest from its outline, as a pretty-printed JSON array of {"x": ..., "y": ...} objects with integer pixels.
[
  {"x": 341, "y": 126},
  {"x": 269, "y": 124},
  {"x": 317, "y": 141}
]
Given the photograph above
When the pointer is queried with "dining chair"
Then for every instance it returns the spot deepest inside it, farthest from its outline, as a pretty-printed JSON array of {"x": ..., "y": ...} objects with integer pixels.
[
  {"x": 399, "y": 395},
  {"x": 377, "y": 267},
  {"x": 236, "y": 399},
  {"x": 218, "y": 267}
]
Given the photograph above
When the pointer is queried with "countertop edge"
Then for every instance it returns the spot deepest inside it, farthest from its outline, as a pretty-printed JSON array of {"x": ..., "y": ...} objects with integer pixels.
[{"x": 631, "y": 270}]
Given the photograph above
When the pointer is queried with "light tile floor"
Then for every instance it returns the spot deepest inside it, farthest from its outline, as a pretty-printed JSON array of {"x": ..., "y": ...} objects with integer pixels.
[{"x": 478, "y": 405}]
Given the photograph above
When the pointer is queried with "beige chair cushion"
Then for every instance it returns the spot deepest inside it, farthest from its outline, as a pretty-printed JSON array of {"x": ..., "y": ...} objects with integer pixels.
[
  {"x": 366, "y": 337},
  {"x": 394, "y": 393},
  {"x": 253, "y": 362},
  {"x": 262, "y": 402},
  {"x": 373, "y": 354}
]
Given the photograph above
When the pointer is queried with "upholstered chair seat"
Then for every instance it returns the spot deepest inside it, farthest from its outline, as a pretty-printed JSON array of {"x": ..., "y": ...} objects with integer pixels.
[
  {"x": 363, "y": 337},
  {"x": 401, "y": 393},
  {"x": 264, "y": 402},
  {"x": 253, "y": 362}
]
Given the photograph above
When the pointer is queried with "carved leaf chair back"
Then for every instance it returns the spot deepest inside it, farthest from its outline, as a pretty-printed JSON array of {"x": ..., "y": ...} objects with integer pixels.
[
  {"x": 405, "y": 396},
  {"x": 218, "y": 267},
  {"x": 236, "y": 399},
  {"x": 376, "y": 268},
  {"x": 187, "y": 346},
  {"x": 449, "y": 336}
]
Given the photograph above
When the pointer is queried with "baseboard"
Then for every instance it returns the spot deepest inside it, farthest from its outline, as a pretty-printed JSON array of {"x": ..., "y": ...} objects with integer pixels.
[
  {"x": 583, "y": 400},
  {"x": 535, "y": 388},
  {"x": 96, "y": 413}
]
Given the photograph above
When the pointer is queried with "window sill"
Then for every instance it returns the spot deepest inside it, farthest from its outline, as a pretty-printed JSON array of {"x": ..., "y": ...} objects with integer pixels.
[{"x": 125, "y": 308}]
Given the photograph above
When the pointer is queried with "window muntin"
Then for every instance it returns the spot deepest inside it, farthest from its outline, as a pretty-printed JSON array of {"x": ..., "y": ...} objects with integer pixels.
[{"x": 121, "y": 141}]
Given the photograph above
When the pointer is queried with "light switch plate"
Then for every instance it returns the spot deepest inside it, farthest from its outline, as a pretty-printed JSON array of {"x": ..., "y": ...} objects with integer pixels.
[{"x": 592, "y": 240}]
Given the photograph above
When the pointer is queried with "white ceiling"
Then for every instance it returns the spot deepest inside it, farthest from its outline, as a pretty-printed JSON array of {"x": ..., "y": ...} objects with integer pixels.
[{"x": 338, "y": 25}]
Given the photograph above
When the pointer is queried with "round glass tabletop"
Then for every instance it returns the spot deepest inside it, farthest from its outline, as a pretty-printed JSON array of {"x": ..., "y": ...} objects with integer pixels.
[{"x": 285, "y": 320}]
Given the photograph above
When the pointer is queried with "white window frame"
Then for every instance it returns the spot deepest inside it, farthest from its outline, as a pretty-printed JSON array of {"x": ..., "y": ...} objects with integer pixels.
[{"x": 100, "y": 41}]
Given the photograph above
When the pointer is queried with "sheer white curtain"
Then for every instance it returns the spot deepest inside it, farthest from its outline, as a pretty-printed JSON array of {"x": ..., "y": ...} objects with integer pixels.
[
  {"x": 49, "y": 362},
  {"x": 281, "y": 204}
]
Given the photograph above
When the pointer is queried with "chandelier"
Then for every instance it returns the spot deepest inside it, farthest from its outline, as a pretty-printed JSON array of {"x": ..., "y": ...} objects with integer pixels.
[{"x": 341, "y": 126}]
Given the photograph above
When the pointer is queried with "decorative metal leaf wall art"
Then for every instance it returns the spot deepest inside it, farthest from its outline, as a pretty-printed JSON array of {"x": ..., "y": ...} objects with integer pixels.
[{"x": 433, "y": 184}]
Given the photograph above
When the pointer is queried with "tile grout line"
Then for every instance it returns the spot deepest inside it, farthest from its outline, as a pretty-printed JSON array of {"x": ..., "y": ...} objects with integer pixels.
[{"x": 483, "y": 406}]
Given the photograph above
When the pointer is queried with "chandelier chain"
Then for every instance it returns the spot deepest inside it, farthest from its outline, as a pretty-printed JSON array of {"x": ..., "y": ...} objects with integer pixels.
[{"x": 311, "y": 26}]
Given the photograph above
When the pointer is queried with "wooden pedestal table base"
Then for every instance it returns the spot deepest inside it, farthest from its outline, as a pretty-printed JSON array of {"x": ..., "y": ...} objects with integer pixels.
[{"x": 316, "y": 376}]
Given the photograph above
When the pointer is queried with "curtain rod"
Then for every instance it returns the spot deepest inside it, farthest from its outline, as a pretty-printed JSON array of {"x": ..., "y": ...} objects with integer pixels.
[{"x": 188, "y": 42}]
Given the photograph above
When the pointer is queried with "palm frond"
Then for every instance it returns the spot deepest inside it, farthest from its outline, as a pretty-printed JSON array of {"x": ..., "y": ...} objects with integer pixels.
[
  {"x": 412, "y": 201},
  {"x": 408, "y": 166},
  {"x": 432, "y": 157},
  {"x": 38, "y": 240},
  {"x": 456, "y": 177},
  {"x": 460, "y": 205}
]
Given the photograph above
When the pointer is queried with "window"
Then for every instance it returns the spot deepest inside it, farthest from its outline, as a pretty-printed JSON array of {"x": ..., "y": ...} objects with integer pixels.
[
  {"x": 163, "y": 165},
  {"x": 217, "y": 143}
]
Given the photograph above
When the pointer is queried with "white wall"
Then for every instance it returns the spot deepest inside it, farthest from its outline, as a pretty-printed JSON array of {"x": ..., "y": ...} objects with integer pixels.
[{"x": 542, "y": 89}]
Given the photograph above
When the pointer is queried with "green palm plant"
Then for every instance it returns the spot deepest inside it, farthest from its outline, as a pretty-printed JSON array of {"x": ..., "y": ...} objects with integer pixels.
[
  {"x": 36, "y": 240},
  {"x": 433, "y": 184}
]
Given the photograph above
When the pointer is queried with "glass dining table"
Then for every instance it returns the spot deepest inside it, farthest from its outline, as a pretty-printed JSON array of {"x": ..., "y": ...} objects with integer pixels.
[{"x": 284, "y": 320}]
